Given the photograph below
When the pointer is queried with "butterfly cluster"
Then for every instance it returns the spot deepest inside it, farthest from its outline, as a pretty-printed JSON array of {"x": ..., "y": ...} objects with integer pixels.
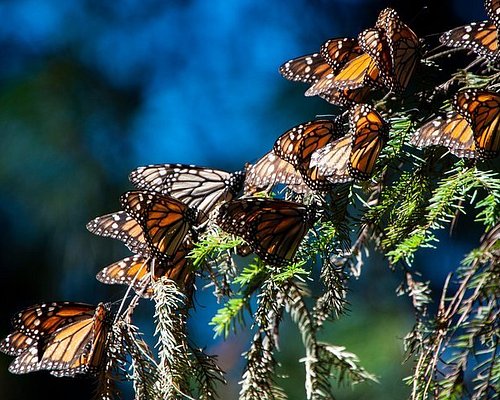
[
  {"x": 346, "y": 70},
  {"x": 172, "y": 205}
]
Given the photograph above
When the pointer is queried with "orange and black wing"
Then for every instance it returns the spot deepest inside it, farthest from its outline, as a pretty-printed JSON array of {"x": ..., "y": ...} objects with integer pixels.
[
  {"x": 165, "y": 220},
  {"x": 345, "y": 97},
  {"x": 137, "y": 271},
  {"x": 271, "y": 170},
  {"x": 337, "y": 52},
  {"x": 369, "y": 136},
  {"x": 298, "y": 143},
  {"x": 42, "y": 320},
  {"x": 16, "y": 343},
  {"x": 134, "y": 271},
  {"x": 273, "y": 228},
  {"x": 308, "y": 69},
  {"x": 77, "y": 346},
  {"x": 481, "y": 109},
  {"x": 453, "y": 132},
  {"x": 121, "y": 226},
  {"x": 359, "y": 72},
  {"x": 327, "y": 88},
  {"x": 479, "y": 37},
  {"x": 404, "y": 48},
  {"x": 492, "y": 8},
  {"x": 374, "y": 43}
]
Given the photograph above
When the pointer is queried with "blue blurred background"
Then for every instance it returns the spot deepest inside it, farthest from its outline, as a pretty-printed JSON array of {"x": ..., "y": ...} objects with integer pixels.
[{"x": 91, "y": 89}]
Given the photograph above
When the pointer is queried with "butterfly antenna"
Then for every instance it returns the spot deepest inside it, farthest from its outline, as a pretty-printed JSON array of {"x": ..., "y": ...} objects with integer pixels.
[
  {"x": 130, "y": 287},
  {"x": 325, "y": 116},
  {"x": 424, "y": 9},
  {"x": 441, "y": 53}
]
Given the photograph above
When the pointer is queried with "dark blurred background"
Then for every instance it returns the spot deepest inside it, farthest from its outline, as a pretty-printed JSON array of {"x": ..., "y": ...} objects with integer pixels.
[{"x": 91, "y": 89}]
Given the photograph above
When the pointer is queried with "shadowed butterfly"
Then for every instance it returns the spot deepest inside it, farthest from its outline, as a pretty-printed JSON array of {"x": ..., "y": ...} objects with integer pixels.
[
  {"x": 198, "y": 187},
  {"x": 65, "y": 338},
  {"x": 332, "y": 161},
  {"x": 273, "y": 228},
  {"x": 479, "y": 37}
]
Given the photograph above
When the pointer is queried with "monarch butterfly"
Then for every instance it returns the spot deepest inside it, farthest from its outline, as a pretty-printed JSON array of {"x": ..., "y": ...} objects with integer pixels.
[
  {"x": 119, "y": 225},
  {"x": 298, "y": 143},
  {"x": 353, "y": 156},
  {"x": 374, "y": 43},
  {"x": 308, "y": 69},
  {"x": 165, "y": 221},
  {"x": 320, "y": 69},
  {"x": 351, "y": 83},
  {"x": 138, "y": 269},
  {"x": 370, "y": 133},
  {"x": 63, "y": 337},
  {"x": 403, "y": 49},
  {"x": 471, "y": 130},
  {"x": 479, "y": 37},
  {"x": 197, "y": 187},
  {"x": 273, "y": 228},
  {"x": 138, "y": 272},
  {"x": 334, "y": 53},
  {"x": 271, "y": 170}
]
